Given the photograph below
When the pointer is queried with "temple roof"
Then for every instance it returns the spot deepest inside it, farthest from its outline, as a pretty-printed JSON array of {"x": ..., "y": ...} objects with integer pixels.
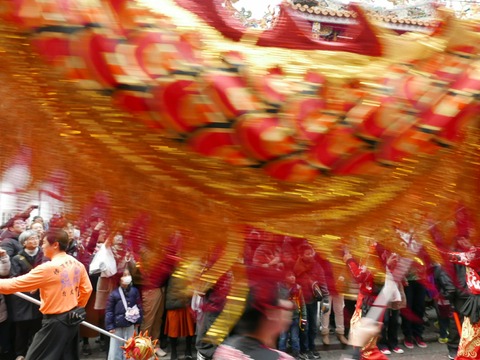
[{"x": 402, "y": 17}]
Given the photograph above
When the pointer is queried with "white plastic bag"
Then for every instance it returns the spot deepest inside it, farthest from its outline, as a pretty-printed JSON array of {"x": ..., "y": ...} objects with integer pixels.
[
  {"x": 132, "y": 314},
  {"x": 197, "y": 303},
  {"x": 103, "y": 262}
]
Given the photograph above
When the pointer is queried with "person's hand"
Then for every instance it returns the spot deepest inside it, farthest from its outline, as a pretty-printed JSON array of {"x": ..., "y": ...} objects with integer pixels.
[
  {"x": 3, "y": 252},
  {"x": 303, "y": 324},
  {"x": 325, "y": 307},
  {"x": 99, "y": 225},
  {"x": 347, "y": 256},
  {"x": 112, "y": 331},
  {"x": 317, "y": 293}
]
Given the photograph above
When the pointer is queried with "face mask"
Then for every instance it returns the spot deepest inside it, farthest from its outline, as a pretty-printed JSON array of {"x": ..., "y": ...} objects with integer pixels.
[{"x": 126, "y": 280}]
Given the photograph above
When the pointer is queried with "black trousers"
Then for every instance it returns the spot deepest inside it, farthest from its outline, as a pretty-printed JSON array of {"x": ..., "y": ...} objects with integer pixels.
[
  {"x": 26, "y": 330},
  {"x": 205, "y": 349},
  {"x": 55, "y": 340}
]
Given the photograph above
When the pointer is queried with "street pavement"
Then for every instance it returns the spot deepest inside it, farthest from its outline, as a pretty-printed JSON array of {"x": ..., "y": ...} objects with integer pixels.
[{"x": 434, "y": 350}]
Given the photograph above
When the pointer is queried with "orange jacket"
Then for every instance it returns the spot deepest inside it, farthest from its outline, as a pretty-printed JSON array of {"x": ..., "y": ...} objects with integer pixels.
[{"x": 63, "y": 284}]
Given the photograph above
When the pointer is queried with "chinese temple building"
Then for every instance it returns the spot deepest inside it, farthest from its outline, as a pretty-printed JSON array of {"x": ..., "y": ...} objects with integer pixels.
[{"x": 330, "y": 18}]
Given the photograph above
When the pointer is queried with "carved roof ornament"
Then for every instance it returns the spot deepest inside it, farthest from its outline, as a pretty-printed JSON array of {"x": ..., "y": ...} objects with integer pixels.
[
  {"x": 252, "y": 15},
  {"x": 408, "y": 15}
]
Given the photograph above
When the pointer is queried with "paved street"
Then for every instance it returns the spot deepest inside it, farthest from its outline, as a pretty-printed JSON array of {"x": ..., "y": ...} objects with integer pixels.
[{"x": 434, "y": 351}]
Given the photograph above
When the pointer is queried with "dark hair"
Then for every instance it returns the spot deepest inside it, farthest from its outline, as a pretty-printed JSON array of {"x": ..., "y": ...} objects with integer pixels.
[
  {"x": 264, "y": 294},
  {"x": 12, "y": 220},
  {"x": 57, "y": 221},
  {"x": 57, "y": 235}
]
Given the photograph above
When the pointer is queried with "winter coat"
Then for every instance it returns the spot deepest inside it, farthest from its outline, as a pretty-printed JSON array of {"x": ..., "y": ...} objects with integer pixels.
[
  {"x": 215, "y": 298},
  {"x": 177, "y": 295},
  {"x": 445, "y": 285},
  {"x": 115, "y": 310},
  {"x": 22, "y": 310},
  {"x": 307, "y": 275},
  {"x": 9, "y": 242},
  {"x": 294, "y": 294},
  {"x": 4, "y": 271},
  {"x": 5, "y": 265}
]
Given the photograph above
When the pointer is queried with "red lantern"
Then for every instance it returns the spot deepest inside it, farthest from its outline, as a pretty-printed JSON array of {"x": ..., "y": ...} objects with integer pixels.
[
  {"x": 372, "y": 117},
  {"x": 54, "y": 46},
  {"x": 311, "y": 120},
  {"x": 229, "y": 90},
  {"x": 291, "y": 168},
  {"x": 219, "y": 143},
  {"x": 161, "y": 52},
  {"x": 450, "y": 66},
  {"x": 405, "y": 141},
  {"x": 308, "y": 111},
  {"x": 136, "y": 100},
  {"x": 31, "y": 14},
  {"x": 421, "y": 92},
  {"x": 332, "y": 147},
  {"x": 273, "y": 87},
  {"x": 452, "y": 132},
  {"x": 95, "y": 61},
  {"x": 263, "y": 137},
  {"x": 363, "y": 163},
  {"x": 447, "y": 109},
  {"x": 180, "y": 106}
]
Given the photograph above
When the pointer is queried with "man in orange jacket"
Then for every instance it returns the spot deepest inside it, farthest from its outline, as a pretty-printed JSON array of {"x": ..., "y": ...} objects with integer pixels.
[{"x": 64, "y": 291}]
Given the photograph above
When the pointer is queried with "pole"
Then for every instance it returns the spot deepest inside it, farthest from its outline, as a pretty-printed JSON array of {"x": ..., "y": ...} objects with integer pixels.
[
  {"x": 457, "y": 322},
  {"x": 84, "y": 323}
]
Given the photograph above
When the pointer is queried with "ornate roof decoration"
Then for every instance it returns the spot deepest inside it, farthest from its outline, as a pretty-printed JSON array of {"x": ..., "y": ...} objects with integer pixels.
[
  {"x": 411, "y": 16},
  {"x": 407, "y": 15},
  {"x": 247, "y": 18}
]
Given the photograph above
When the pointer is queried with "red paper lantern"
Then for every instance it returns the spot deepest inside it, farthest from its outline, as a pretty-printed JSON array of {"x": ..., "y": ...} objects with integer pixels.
[
  {"x": 291, "y": 168},
  {"x": 372, "y": 117},
  {"x": 31, "y": 14},
  {"x": 54, "y": 46},
  {"x": 447, "y": 109},
  {"x": 310, "y": 118},
  {"x": 330, "y": 148},
  {"x": 263, "y": 137},
  {"x": 229, "y": 90},
  {"x": 161, "y": 52},
  {"x": 363, "y": 163},
  {"x": 179, "y": 105},
  {"x": 95, "y": 62},
  {"x": 404, "y": 142},
  {"x": 273, "y": 87},
  {"x": 136, "y": 100},
  {"x": 219, "y": 143}
]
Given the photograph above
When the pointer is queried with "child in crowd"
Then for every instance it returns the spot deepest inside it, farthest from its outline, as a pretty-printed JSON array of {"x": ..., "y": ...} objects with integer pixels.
[
  {"x": 299, "y": 316},
  {"x": 122, "y": 313}
]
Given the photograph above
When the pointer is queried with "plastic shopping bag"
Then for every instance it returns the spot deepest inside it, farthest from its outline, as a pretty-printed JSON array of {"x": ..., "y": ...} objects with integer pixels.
[{"x": 103, "y": 262}]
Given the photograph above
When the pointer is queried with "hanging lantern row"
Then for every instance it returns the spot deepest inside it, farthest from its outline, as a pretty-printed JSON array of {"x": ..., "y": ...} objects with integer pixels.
[{"x": 158, "y": 74}]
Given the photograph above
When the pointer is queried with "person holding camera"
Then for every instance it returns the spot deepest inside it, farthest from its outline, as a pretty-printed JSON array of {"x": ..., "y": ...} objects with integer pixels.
[
  {"x": 311, "y": 277},
  {"x": 64, "y": 291}
]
